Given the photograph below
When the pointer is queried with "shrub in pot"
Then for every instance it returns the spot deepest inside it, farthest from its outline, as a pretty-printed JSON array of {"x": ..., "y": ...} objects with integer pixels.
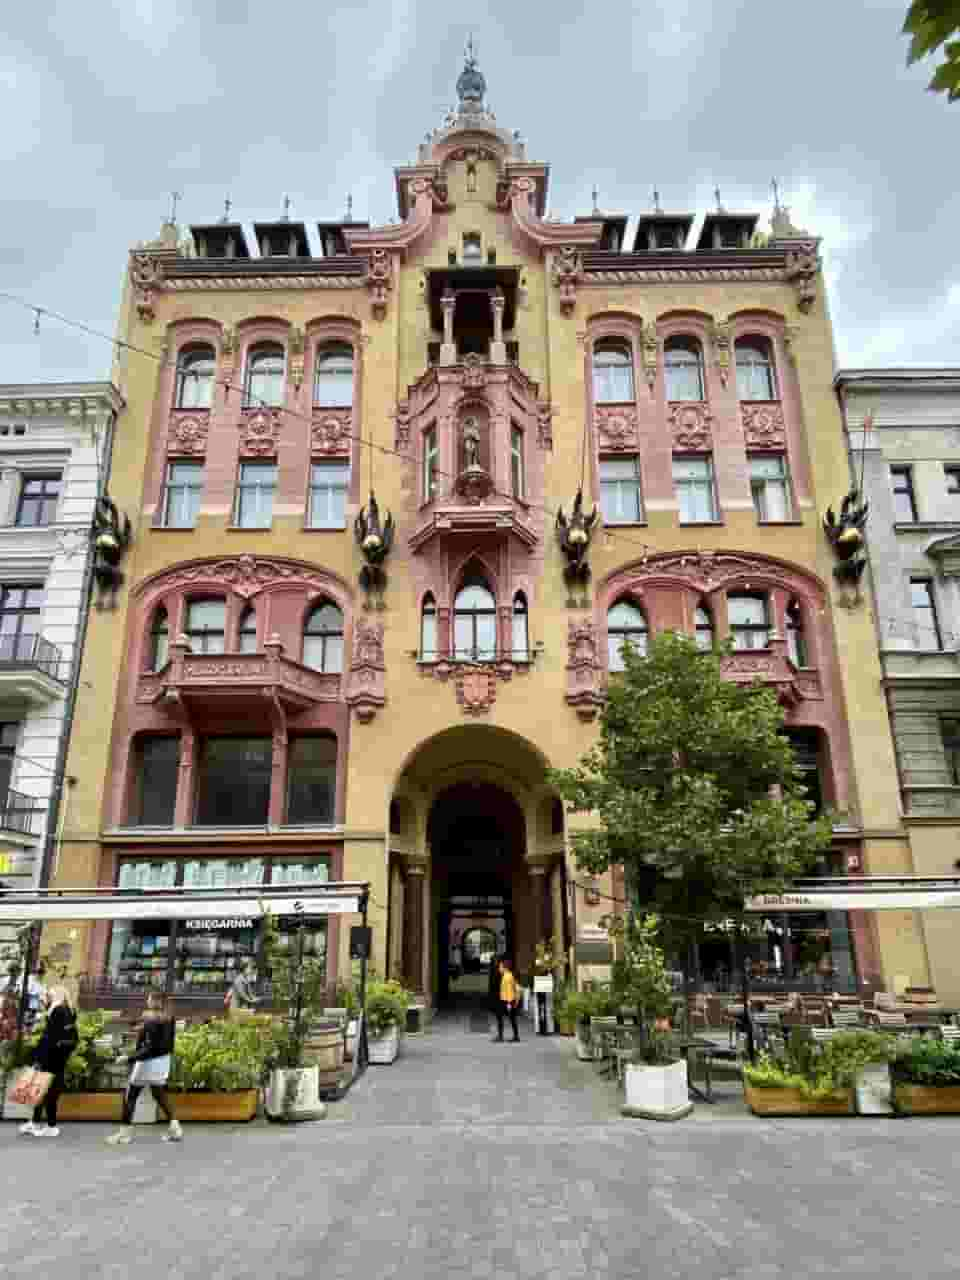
[
  {"x": 299, "y": 986},
  {"x": 387, "y": 1003},
  {"x": 812, "y": 1078},
  {"x": 925, "y": 1078}
]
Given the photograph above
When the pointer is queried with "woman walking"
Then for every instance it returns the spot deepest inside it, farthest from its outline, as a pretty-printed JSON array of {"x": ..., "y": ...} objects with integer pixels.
[
  {"x": 56, "y": 1044},
  {"x": 151, "y": 1066}
]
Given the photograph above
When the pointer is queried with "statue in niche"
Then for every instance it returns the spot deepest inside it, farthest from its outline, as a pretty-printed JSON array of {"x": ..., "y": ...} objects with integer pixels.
[
  {"x": 471, "y": 171},
  {"x": 471, "y": 444}
]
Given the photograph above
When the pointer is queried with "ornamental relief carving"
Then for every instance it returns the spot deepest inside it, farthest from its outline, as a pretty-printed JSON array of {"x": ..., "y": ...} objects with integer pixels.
[
  {"x": 763, "y": 425},
  {"x": 187, "y": 433},
  {"x": 567, "y": 270},
  {"x": 476, "y": 689},
  {"x": 584, "y": 672},
  {"x": 331, "y": 430},
  {"x": 379, "y": 281},
  {"x": 146, "y": 276},
  {"x": 618, "y": 427},
  {"x": 259, "y": 432},
  {"x": 710, "y": 569},
  {"x": 246, "y": 575},
  {"x": 690, "y": 421}
]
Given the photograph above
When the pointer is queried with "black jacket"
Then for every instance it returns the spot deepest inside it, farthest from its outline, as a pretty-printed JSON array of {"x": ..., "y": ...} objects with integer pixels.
[
  {"x": 58, "y": 1040},
  {"x": 155, "y": 1039}
]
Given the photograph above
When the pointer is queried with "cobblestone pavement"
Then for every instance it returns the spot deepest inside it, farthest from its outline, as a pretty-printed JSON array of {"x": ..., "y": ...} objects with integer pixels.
[{"x": 471, "y": 1159}]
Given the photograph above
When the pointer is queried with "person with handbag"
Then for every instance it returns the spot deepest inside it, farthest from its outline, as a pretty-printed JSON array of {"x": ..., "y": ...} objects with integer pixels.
[
  {"x": 151, "y": 1067},
  {"x": 57, "y": 1042}
]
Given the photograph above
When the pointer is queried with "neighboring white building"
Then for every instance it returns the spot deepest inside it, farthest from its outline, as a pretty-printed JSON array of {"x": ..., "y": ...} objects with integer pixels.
[{"x": 55, "y": 444}]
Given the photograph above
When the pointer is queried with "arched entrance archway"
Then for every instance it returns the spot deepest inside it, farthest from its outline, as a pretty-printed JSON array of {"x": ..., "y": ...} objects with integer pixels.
[{"x": 474, "y": 845}]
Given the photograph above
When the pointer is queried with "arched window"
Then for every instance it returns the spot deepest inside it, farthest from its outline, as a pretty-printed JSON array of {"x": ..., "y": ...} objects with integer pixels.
[
  {"x": 159, "y": 639},
  {"x": 703, "y": 628},
  {"x": 474, "y": 622},
  {"x": 196, "y": 366},
  {"x": 796, "y": 640},
  {"x": 626, "y": 625},
  {"x": 612, "y": 371},
  {"x": 265, "y": 376},
  {"x": 749, "y": 619},
  {"x": 755, "y": 369},
  {"x": 333, "y": 379},
  {"x": 207, "y": 626},
  {"x": 247, "y": 631},
  {"x": 521, "y": 631},
  {"x": 683, "y": 368},
  {"x": 428, "y": 630},
  {"x": 323, "y": 638}
]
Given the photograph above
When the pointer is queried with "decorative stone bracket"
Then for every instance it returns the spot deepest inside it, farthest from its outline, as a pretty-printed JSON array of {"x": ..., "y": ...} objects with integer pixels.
[
  {"x": 379, "y": 281},
  {"x": 802, "y": 268},
  {"x": 567, "y": 270},
  {"x": 649, "y": 352},
  {"x": 146, "y": 276},
  {"x": 366, "y": 692},
  {"x": 722, "y": 342},
  {"x": 584, "y": 672}
]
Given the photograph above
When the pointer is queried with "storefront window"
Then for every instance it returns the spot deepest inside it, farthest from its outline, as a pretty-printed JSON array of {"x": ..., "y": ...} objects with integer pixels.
[
  {"x": 234, "y": 786},
  {"x": 209, "y": 952},
  {"x": 315, "y": 872},
  {"x": 140, "y": 954},
  {"x": 222, "y": 873}
]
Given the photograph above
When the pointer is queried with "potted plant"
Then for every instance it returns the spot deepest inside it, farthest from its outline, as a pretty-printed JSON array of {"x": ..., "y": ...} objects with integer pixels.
[
  {"x": 655, "y": 1078},
  {"x": 925, "y": 1078},
  {"x": 344, "y": 997},
  {"x": 386, "y": 1015},
  {"x": 592, "y": 1002},
  {"x": 564, "y": 1012},
  {"x": 218, "y": 1068},
  {"x": 811, "y": 1078},
  {"x": 88, "y": 1094},
  {"x": 301, "y": 1044}
]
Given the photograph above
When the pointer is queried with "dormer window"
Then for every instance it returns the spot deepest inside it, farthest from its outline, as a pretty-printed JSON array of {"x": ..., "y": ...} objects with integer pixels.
[{"x": 472, "y": 250}]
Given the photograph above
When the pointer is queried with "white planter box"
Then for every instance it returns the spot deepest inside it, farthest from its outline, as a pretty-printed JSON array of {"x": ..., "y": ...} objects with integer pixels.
[
  {"x": 306, "y": 1100},
  {"x": 353, "y": 1035},
  {"x": 384, "y": 1050},
  {"x": 657, "y": 1093}
]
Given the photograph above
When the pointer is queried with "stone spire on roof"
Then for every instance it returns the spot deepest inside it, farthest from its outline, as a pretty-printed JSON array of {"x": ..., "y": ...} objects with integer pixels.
[{"x": 471, "y": 86}]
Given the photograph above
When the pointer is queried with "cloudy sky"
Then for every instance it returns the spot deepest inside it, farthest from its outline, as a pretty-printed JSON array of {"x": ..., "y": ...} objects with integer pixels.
[{"x": 110, "y": 105}]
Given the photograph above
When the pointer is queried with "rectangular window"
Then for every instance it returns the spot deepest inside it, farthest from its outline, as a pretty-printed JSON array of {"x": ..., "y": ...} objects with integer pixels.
[
  {"x": 328, "y": 495},
  {"x": 950, "y": 729},
  {"x": 234, "y": 782},
  {"x": 926, "y": 625},
  {"x": 181, "y": 500},
  {"x": 431, "y": 465},
  {"x": 20, "y": 608},
  {"x": 39, "y": 496},
  {"x": 516, "y": 462},
  {"x": 312, "y": 780},
  {"x": 620, "y": 491},
  {"x": 159, "y": 767},
  {"x": 316, "y": 871},
  {"x": 222, "y": 873},
  {"x": 770, "y": 489},
  {"x": 749, "y": 620},
  {"x": 806, "y": 757},
  {"x": 257, "y": 485},
  {"x": 904, "y": 503},
  {"x": 693, "y": 481},
  {"x": 9, "y": 734},
  {"x": 952, "y": 477}
]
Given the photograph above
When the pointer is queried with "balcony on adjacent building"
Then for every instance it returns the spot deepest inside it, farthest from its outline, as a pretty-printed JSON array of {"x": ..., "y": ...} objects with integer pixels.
[
  {"x": 931, "y": 801},
  {"x": 19, "y": 813},
  {"x": 32, "y": 670}
]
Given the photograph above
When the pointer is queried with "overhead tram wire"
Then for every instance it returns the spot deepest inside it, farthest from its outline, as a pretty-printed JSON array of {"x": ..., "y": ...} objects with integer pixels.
[{"x": 228, "y": 386}]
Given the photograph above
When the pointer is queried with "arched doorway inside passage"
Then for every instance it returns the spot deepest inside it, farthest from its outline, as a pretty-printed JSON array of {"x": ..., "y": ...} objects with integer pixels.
[{"x": 476, "y": 842}]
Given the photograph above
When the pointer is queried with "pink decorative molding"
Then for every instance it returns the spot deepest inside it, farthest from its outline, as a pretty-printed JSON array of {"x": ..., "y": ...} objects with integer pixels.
[
  {"x": 146, "y": 276},
  {"x": 366, "y": 682},
  {"x": 544, "y": 425},
  {"x": 617, "y": 426},
  {"x": 192, "y": 680},
  {"x": 771, "y": 667},
  {"x": 379, "y": 281},
  {"x": 245, "y": 575},
  {"x": 259, "y": 433},
  {"x": 802, "y": 269},
  {"x": 187, "y": 432},
  {"x": 584, "y": 670},
  {"x": 331, "y": 431},
  {"x": 690, "y": 422},
  {"x": 763, "y": 424},
  {"x": 567, "y": 270},
  {"x": 476, "y": 688}
]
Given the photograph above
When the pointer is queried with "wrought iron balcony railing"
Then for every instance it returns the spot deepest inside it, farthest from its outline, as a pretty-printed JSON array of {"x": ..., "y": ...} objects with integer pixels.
[
  {"x": 18, "y": 813},
  {"x": 20, "y": 651}
]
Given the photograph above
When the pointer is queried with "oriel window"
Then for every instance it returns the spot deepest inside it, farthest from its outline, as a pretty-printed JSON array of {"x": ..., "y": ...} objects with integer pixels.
[
  {"x": 626, "y": 625},
  {"x": 796, "y": 638},
  {"x": 749, "y": 619},
  {"x": 207, "y": 626},
  {"x": 247, "y": 631},
  {"x": 159, "y": 639},
  {"x": 703, "y": 628},
  {"x": 431, "y": 465},
  {"x": 516, "y": 462}
]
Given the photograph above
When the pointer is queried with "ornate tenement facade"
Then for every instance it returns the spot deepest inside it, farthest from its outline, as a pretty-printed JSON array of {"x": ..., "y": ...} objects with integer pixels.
[
  {"x": 264, "y": 704},
  {"x": 909, "y": 458}
]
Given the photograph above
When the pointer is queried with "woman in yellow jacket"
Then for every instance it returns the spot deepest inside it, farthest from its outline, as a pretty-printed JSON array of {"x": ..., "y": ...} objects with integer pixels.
[{"x": 509, "y": 999}]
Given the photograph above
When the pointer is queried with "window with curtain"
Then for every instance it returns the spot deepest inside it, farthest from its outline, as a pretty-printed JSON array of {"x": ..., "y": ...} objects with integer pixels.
[
  {"x": 474, "y": 622},
  {"x": 207, "y": 626},
  {"x": 265, "y": 378},
  {"x": 749, "y": 619},
  {"x": 233, "y": 787},
  {"x": 333, "y": 378},
  {"x": 703, "y": 628},
  {"x": 20, "y": 609},
  {"x": 181, "y": 494},
  {"x": 769, "y": 487},
  {"x": 754, "y": 369},
  {"x": 329, "y": 482},
  {"x": 196, "y": 370},
  {"x": 683, "y": 368},
  {"x": 256, "y": 486},
  {"x": 521, "y": 637},
  {"x": 247, "y": 631},
  {"x": 311, "y": 779},
  {"x": 612, "y": 371},
  {"x": 796, "y": 640},
  {"x": 323, "y": 638},
  {"x": 620, "y": 491},
  {"x": 428, "y": 630},
  {"x": 159, "y": 639},
  {"x": 693, "y": 481},
  {"x": 626, "y": 625}
]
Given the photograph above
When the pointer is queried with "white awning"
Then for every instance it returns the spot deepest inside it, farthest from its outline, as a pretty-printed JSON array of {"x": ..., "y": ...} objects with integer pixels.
[
  {"x": 864, "y": 893},
  {"x": 183, "y": 904}
]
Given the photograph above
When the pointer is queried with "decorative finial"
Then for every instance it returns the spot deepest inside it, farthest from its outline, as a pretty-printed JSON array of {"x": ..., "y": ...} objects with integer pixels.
[
  {"x": 471, "y": 85},
  {"x": 175, "y": 197},
  {"x": 596, "y": 195},
  {"x": 226, "y": 210},
  {"x": 656, "y": 201},
  {"x": 286, "y": 209},
  {"x": 470, "y": 52},
  {"x": 349, "y": 217},
  {"x": 776, "y": 195},
  {"x": 716, "y": 192}
]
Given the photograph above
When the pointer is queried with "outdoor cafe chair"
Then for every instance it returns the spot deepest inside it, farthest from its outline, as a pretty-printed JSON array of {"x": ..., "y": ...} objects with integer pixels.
[
  {"x": 767, "y": 1027},
  {"x": 603, "y": 1034},
  {"x": 950, "y": 1035},
  {"x": 846, "y": 1017}
]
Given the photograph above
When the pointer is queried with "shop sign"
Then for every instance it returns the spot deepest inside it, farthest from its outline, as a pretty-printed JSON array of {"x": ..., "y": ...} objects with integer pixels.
[{"x": 225, "y": 923}]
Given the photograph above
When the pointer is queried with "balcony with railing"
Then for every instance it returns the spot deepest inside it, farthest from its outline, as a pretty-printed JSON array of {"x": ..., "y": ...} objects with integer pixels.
[
  {"x": 19, "y": 813},
  {"x": 31, "y": 669}
]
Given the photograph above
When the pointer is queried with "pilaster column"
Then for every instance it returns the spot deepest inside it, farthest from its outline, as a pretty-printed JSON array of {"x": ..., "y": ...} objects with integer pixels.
[
  {"x": 413, "y": 935},
  {"x": 556, "y": 893},
  {"x": 395, "y": 967},
  {"x": 183, "y": 807},
  {"x": 498, "y": 349},
  {"x": 448, "y": 349},
  {"x": 538, "y": 885}
]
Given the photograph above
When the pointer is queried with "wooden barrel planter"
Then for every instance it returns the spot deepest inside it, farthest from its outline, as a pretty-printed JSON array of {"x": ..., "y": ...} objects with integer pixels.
[
  {"x": 324, "y": 1049},
  {"x": 791, "y": 1102},
  {"x": 926, "y": 1100}
]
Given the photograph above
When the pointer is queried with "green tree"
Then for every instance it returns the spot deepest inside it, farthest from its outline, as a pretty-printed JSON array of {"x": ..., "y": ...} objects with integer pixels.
[
  {"x": 930, "y": 24},
  {"x": 694, "y": 789}
]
